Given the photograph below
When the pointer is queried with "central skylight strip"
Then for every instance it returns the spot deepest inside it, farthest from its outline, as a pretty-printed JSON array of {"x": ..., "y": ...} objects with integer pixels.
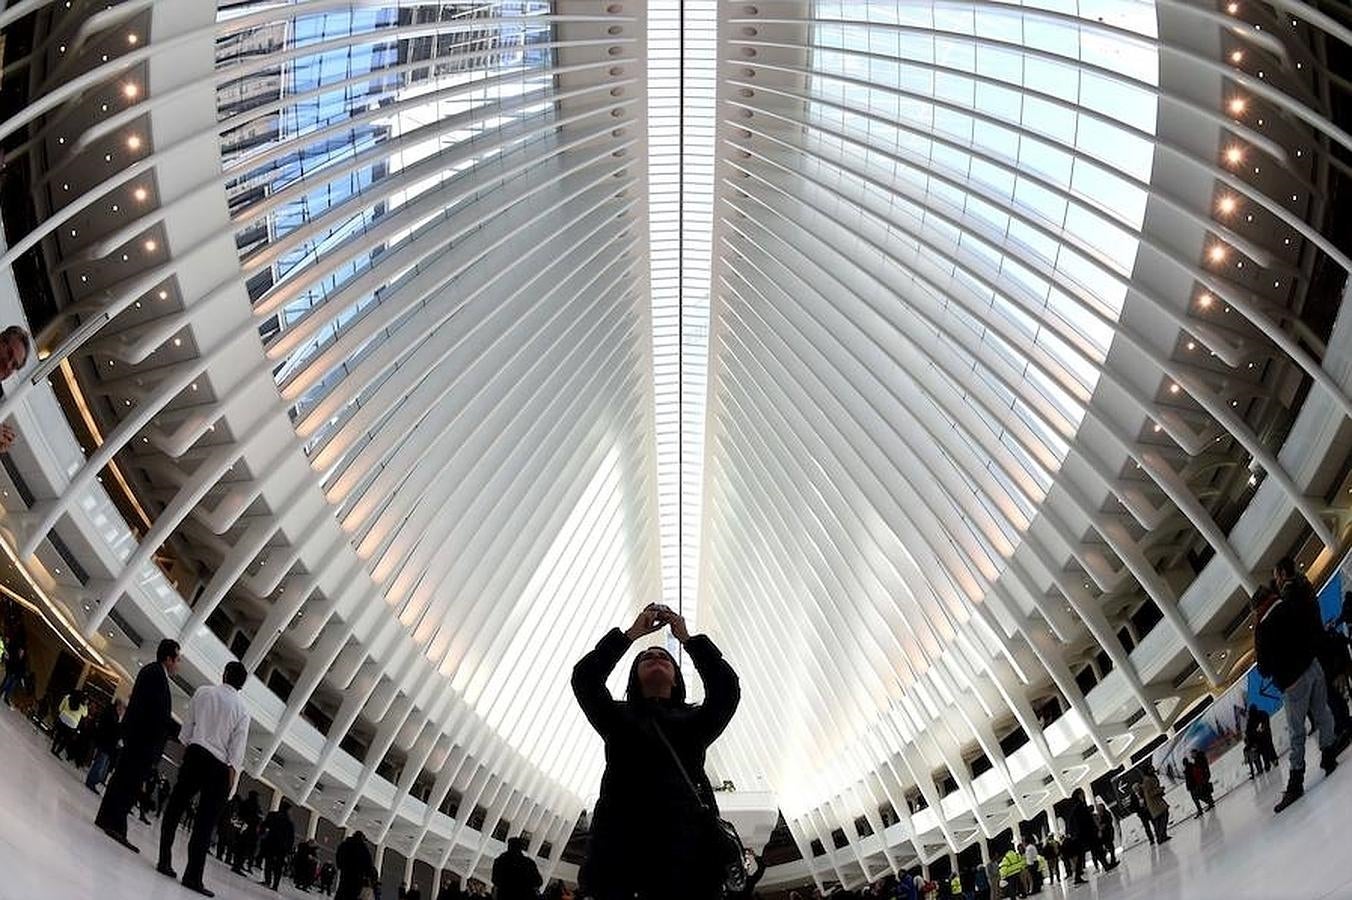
[{"x": 682, "y": 50}]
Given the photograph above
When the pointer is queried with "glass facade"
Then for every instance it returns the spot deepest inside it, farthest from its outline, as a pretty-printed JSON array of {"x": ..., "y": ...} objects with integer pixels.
[{"x": 346, "y": 146}]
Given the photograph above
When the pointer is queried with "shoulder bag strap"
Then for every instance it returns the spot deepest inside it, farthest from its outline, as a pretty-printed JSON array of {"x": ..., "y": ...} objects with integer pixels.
[{"x": 680, "y": 767}]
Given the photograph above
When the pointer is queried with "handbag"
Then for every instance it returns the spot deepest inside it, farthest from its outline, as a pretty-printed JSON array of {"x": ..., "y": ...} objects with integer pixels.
[{"x": 726, "y": 844}]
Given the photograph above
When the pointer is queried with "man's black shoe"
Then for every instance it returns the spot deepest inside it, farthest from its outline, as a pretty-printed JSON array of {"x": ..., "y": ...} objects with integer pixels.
[
  {"x": 122, "y": 839},
  {"x": 199, "y": 888},
  {"x": 166, "y": 869}
]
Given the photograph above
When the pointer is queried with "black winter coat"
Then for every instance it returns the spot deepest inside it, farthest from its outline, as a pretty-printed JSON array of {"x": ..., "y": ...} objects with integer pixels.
[
  {"x": 1081, "y": 827},
  {"x": 647, "y": 828},
  {"x": 279, "y": 834},
  {"x": 1287, "y": 639},
  {"x": 108, "y": 730},
  {"x": 356, "y": 869},
  {"x": 148, "y": 721},
  {"x": 515, "y": 877}
]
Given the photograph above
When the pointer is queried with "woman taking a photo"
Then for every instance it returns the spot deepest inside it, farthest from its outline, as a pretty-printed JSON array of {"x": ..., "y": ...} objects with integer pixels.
[{"x": 650, "y": 835}]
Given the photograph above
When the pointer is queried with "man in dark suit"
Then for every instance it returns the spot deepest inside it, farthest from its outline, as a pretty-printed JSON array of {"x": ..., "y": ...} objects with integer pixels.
[
  {"x": 146, "y": 726},
  {"x": 279, "y": 836}
]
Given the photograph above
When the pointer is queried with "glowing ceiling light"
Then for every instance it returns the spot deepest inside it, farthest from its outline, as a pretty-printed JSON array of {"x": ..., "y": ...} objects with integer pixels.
[
  {"x": 130, "y": 90},
  {"x": 1234, "y": 156},
  {"x": 1238, "y": 105},
  {"x": 1237, "y": 56},
  {"x": 150, "y": 246},
  {"x": 1217, "y": 253},
  {"x": 134, "y": 142},
  {"x": 1227, "y": 205},
  {"x": 140, "y": 194},
  {"x": 132, "y": 38},
  {"x": 1204, "y": 301},
  {"x": 1173, "y": 388},
  {"x": 1232, "y": 8}
]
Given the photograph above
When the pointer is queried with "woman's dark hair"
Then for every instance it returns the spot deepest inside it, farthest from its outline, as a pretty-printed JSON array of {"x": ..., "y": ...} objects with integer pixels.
[{"x": 634, "y": 690}]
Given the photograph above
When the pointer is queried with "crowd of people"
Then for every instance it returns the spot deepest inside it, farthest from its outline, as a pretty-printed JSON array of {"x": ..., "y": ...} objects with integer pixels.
[{"x": 122, "y": 746}]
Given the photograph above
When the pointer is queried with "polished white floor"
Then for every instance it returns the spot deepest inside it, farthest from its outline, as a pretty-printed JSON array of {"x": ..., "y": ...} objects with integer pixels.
[
  {"x": 1242, "y": 851},
  {"x": 50, "y": 850}
]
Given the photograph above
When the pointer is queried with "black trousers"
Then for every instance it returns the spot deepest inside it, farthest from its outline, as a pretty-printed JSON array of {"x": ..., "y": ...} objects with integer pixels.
[
  {"x": 273, "y": 865},
  {"x": 207, "y": 778},
  {"x": 124, "y": 787},
  {"x": 63, "y": 738}
]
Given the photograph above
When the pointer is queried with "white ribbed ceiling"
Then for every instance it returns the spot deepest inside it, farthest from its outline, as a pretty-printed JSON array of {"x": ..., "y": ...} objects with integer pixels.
[{"x": 897, "y": 344}]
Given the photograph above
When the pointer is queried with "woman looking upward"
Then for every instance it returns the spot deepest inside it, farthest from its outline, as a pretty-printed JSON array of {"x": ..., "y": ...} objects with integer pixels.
[{"x": 650, "y": 836}]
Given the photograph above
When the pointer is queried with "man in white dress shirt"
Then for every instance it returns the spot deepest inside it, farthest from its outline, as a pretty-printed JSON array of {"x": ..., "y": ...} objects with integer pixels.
[{"x": 214, "y": 736}]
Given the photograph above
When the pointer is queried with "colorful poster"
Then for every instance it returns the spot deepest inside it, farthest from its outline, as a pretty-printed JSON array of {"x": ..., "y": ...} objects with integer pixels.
[{"x": 1219, "y": 728}]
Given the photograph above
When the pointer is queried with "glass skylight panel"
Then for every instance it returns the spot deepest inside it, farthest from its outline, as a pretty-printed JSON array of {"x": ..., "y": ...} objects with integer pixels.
[
  {"x": 682, "y": 49},
  {"x": 993, "y": 163}
]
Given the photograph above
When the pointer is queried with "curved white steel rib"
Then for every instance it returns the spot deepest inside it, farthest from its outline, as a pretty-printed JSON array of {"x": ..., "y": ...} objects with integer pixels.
[{"x": 963, "y": 396}]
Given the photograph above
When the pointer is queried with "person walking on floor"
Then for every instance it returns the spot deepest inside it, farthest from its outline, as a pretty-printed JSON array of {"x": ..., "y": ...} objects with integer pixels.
[
  {"x": 107, "y": 738},
  {"x": 1051, "y": 849},
  {"x": 1012, "y": 868},
  {"x": 246, "y": 838},
  {"x": 355, "y": 868},
  {"x": 1032, "y": 872},
  {"x": 1286, "y": 638},
  {"x": 650, "y": 832},
  {"x": 1136, "y": 804},
  {"x": 1084, "y": 831},
  {"x": 1156, "y": 807},
  {"x": 69, "y": 714},
  {"x": 279, "y": 836},
  {"x": 16, "y": 670},
  {"x": 326, "y": 875},
  {"x": 1258, "y": 735},
  {"x": 515, "y": 876},
  {"x": 146, "y": 726},
  {"x": 214, "y": 734},
  {"x": 1197, "y": 778},
  {"x": 1107, "y": 832},
  {"x": 1335, "y": 658}
]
